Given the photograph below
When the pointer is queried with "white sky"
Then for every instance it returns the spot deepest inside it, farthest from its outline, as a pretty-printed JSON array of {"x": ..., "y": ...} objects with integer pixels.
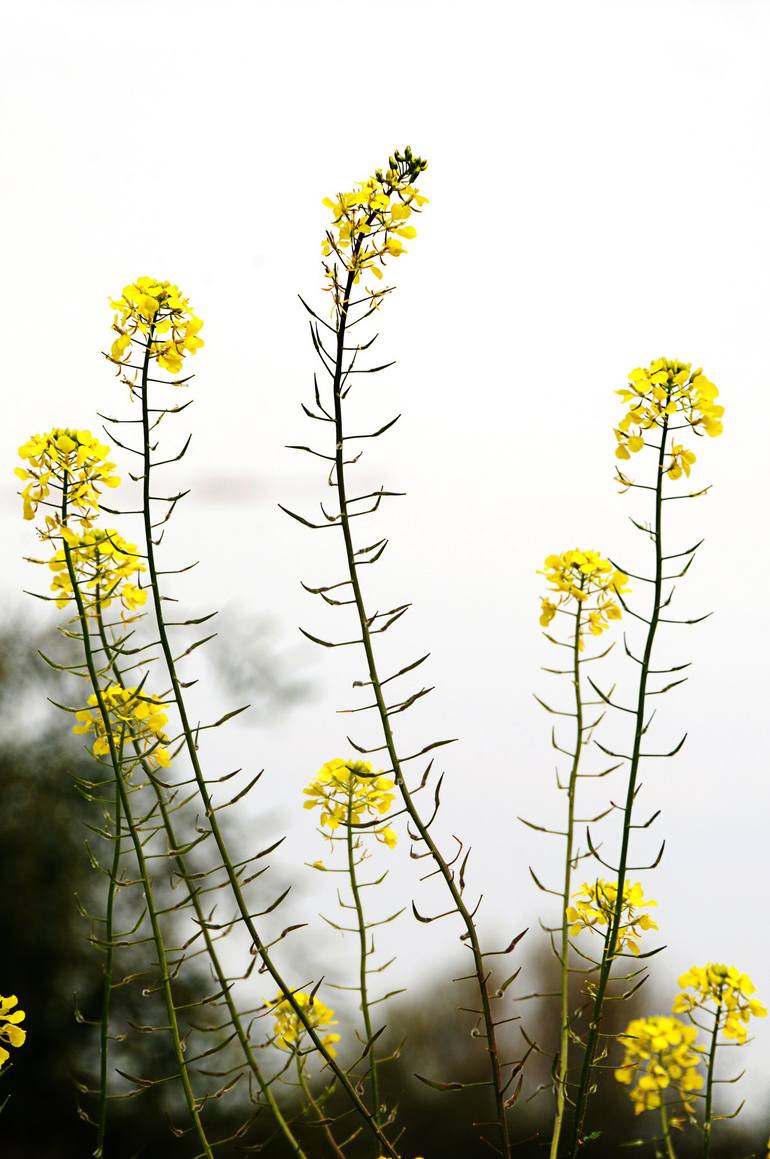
[{"x": 599, "y": 184}]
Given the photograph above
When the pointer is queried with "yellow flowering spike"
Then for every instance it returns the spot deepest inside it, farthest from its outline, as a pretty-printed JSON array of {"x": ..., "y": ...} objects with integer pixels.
[
  {"x": 661, "y": 1060},
  {"x": 593, "y": 907},
  {"x": 586, "y": 580},
  {"x": 350, "y": 792},
  {"x": 136, "y": 716},
  {"x": 65, "y": 458},
  {"x": 368, "y": 221},
  {"x": 105, "y": 566},
  {"x": 725, "y": 993},
  {"x": 154, "y": 312},
  {"x": 11, "y": 1034},
  {"x": 288, "y": 1030},
  {"x": 662, "y": 390}
]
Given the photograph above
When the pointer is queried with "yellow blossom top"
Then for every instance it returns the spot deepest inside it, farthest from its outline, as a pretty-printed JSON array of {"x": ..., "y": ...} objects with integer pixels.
[
  {"x": 106, "y": 567},
  {"x": 588, "y": 581},
  {"x": 661, "y": 1056},
  {"x": 671, "y": 393},
  {"x": 65, "y": 456},
  {"x": 351, "y": 793},
  {"x": 136, "y": 716},
  {"x": 724, "y": 992},
  {"x": 593, "y": 908},
  {"x": 11, "y": 1034},
  {"x": 288, "y": 1028},
  {"x": 154, "y": 312},
  {"x": 370, "y": 222}
]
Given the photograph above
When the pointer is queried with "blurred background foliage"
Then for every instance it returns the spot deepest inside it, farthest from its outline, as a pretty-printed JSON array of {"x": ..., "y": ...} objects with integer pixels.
[{"x": 48, "y": 962}]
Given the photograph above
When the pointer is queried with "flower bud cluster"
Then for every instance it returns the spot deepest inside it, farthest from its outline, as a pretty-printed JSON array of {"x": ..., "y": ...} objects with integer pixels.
[
  {"x": 288, "y": 1028},
  {"x": 593, "y": 908},
  {"x": 589, "y": 580},
  {"x": 155, "y": 312},
  {"x": 351, "y": 793},
  {"x": 135, "y": 718},
  {"x": 661, "y": 1056}
]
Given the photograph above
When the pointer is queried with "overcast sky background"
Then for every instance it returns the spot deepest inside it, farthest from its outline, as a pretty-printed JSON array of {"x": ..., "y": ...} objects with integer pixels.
[{"x": 599, "y": 187}]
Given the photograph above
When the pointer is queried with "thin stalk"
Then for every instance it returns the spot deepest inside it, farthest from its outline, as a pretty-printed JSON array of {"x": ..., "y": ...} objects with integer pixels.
[
  {"x": 482, "y": 974},
  {"x": 563, "y": 1070},
  {"x": 192, "y": 750},
  {"x": 160, "y": 947},
  {"x": 583, "y": 1092},
  {"x": 319, "y": 1111},
  {"x": 104, "y": 1035},
  {"x": 203, "y": 925},
  {"x": 363, "y": 957},
  {"x": 707, "y": 1114},
  {"x": 666, "y": 1129}
]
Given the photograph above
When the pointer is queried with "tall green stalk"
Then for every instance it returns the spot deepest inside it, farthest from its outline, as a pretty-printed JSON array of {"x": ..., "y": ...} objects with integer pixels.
[
  {"x": 592, "y": 1041},
  {"x": 157, "y": 933},
  {"x": 192, "y": 751},
  {"x": 708, "y": 1110},
  {"x": 363, "y": 957},
  {"x": 496, "y": 1080},
  {"x": 204, "y": 924},
  {"x": 564, "y": 1042},
  {"x": 109, "y": 953}
]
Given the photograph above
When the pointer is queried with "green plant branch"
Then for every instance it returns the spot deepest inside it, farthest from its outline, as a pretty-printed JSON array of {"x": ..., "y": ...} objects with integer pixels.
[
  {"x": 192, "y": 750},
  {"x": 157, "y": 933},
  {"x": 184, "y": 873},
  {"x": 482, "y": 974},
  {"x": 708, "y": 1115},
  {"x": 318, "y": 1110},
  {"x": 363, "y": 951},
  {"x": 589, "y": 1056}
]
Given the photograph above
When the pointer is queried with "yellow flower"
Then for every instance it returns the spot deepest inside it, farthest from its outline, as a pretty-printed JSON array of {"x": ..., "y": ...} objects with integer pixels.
[
  {"x": 351, "y": 793},
  {"x": 660, "y": 392},
  {"x": 589, "y": 580},
  {"x": 105, "y": 566},
  {"x": 594, "y": 906},
  {"x": 64, "y": 457},
  {"x": 660, "y": 1056},
  {"x": 135, "y": 715},
  {"x": 156, "y": 312},
  {"x": 289, "y": 1030},
  {"x": 724, "y": 992},
  {"x": 369, "y": 221},
  {"x": 10, "y": 1032}
]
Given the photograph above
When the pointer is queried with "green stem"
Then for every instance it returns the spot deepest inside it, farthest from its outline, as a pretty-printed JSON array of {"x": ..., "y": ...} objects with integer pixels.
[
  {"x": 563, "y": 1070},
  {"x": 482, "y": 974},
  {"x": 668, "y": 1141},
  {"x": 708, "y": 1114},
  {"x": 317, "y": 1109},
  {"x": 192, "y": 750},
  {"x": 363, "y": 956},
  {"x": 104, "y": 1035},
  {"x": 589, "y": 1056},
  {"x": 157, "y": 933},
  {"x": 203, "y": 923}
]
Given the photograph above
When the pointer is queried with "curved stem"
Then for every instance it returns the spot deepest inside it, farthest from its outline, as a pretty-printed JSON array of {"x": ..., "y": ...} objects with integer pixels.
[
  {"x": 589, "y": 1056},
  {"x": 104, "y": 1035},
  {"x": 192, "y": 751},
  {"x": 318, "y": 1110},
  {"x": 471, "y": 937},
  {"x": 708, "y": 1111},
  {"x": 157, "y": 933},
  {"x": 666, "y": 1129},
  {"x": 563, "y": 1069},
  {"x": 363, "y": 952},
  {"x": 203, "y": 922}
]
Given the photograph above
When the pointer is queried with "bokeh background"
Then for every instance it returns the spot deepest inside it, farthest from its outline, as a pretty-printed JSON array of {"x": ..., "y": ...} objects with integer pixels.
[{"x": 598, "y": 186}]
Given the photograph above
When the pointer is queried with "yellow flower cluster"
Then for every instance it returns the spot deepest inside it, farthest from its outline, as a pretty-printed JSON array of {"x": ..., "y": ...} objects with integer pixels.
[
  {"x": 134, "y": 715},
  {"x": 105, "y": 567},
  {"x": 371, "y": 220},
  {"x": 589, "y": 579},
  {"x": 11, "y": 1033},
  {"x": 724, "y": 988},
  {"x": 159, "y": 313},
  {"x": 657, "y": 394},
  {"x": 351, "y": 793},
  {"x": 594, "y": 905},
  {"x": 64, "y": 455},
  {"x": 288, "y": 1028},
  {"x": 661, "y": 1055}
]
